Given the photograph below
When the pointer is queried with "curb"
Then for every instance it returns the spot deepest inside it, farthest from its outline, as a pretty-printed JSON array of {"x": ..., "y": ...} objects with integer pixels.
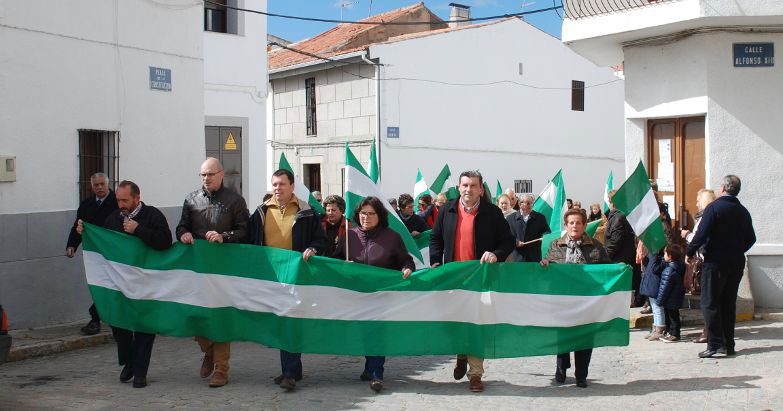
[{"x": 45, "y": 348}]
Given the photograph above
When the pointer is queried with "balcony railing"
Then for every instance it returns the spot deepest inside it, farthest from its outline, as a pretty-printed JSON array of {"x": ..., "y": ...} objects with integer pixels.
[{"x": 577, "y": 9}]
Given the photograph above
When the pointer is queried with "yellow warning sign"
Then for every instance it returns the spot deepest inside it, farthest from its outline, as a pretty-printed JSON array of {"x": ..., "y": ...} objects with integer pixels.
[{"x": 230, "y": 143}]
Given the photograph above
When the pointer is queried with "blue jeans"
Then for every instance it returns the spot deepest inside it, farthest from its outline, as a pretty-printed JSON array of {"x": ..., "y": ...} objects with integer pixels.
[
  {"x": 374, "y": 364},
  {"x": 659, "y": 319}
]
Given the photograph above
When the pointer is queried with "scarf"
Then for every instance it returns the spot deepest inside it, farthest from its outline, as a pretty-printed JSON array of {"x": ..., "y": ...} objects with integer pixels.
[{"x": 574, "y": 252}]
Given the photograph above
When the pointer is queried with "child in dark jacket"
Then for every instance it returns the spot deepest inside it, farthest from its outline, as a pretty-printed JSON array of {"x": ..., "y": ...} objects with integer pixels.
[{"x": 671, "y": 291}]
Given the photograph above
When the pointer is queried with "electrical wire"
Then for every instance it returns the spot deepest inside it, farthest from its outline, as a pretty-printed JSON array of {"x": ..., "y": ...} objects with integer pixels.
[
  {"x": 561, "y": 6},
  {"x": 445, "y": 83},
  {"x": 381, "y": 23}
]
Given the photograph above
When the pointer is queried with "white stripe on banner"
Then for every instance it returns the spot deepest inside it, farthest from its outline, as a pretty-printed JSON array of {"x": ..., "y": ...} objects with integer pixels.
[
  {"x": 644, "y": 213},
  {"x": 332, "y": 303}
]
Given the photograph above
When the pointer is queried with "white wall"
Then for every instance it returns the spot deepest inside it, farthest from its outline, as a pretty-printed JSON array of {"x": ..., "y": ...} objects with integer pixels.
[
  {"x": 742, "y": 108},
  {"x": 235, "y": 90},
  {"x": 506, "y": 131},
  {"x": 84, "y": 64}
]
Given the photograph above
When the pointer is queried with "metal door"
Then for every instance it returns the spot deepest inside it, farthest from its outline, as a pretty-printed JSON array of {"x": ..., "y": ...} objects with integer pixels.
[{"x": 225, "y": 144}]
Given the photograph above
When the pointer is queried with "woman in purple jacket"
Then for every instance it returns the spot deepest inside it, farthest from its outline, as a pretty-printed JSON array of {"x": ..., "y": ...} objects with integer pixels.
[{"x": 372, "y": 242}]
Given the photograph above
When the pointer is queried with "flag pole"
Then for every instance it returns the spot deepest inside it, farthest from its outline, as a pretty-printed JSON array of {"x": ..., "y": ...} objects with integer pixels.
[{"x": 347, "y": 253}]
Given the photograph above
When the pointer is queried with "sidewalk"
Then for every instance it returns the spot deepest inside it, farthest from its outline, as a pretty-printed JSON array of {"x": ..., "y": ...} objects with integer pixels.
[{"x": 38, "y": 342}]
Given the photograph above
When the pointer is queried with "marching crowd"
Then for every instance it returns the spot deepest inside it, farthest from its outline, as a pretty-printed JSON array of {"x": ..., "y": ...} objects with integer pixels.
[{"x": 466, "y": 228}]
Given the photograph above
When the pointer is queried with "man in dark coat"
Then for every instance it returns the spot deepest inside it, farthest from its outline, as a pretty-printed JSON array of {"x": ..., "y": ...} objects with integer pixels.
[
  {"x": 219, "y": 215},
  {"x": 527, "y": 225},
  {"x": 287, "y": 222},
  {"x": 726, "y": 233},
  {"x": 93, "y": 210},
  {"x": 469, "y": 228},
  {"x": 413, "y": 222},
  {"x": 620, "y": 243},
  {"x": 149, "y": 224}
]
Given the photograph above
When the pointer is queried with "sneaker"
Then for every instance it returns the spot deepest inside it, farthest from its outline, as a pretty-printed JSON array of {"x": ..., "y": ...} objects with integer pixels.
[
  {"x": 668, "y": 338},
  {"x": 92, "y": 328},
  {"x": 288, "y": 384},
  {"x": 126, "y": 374},
  {"x": 281, "y": 377},
  {"x": 376, "y": 385}
]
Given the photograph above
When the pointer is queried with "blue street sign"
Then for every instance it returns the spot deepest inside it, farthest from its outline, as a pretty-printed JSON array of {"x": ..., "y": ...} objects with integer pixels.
[
  {"x": 392, "y": 132},
  {"x": 754, "y": 54},
  {"x": 160, "y": 78}
]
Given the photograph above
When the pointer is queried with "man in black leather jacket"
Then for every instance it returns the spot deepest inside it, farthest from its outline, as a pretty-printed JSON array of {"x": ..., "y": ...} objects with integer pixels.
[{"x": 218, "y": 215}]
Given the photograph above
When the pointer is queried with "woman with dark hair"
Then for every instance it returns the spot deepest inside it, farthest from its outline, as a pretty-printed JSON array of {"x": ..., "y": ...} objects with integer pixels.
[
  {"x": 575, "y": 247},
  {"x": 372, "y": 242},
  {"x": 334, "y": 223}
]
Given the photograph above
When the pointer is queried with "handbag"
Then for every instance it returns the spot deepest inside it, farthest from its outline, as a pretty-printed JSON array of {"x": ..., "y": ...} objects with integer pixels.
[{"x": 693, "y": 273}]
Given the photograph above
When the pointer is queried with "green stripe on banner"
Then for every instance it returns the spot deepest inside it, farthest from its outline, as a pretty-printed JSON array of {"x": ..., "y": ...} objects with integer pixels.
[
  {"x": 654, "y": 234},
  {"x": 285, "y": 266},
  {"x": 338, "y": 337}
]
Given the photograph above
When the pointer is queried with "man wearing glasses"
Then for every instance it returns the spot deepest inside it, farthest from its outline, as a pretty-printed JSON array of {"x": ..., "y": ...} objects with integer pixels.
[{"x": 218, "y": 215}]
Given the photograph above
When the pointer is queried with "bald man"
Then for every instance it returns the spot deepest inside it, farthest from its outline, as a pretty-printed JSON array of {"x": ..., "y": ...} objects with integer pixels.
[{"x": 218, "y": 215}]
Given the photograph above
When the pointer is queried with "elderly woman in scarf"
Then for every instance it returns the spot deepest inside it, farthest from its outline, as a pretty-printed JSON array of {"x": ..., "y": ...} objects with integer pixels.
[{"x": 575, "y": 247}]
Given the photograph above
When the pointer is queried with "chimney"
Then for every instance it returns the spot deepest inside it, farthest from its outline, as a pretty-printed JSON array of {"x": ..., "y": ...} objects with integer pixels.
[{"x": 458, "y": 12}]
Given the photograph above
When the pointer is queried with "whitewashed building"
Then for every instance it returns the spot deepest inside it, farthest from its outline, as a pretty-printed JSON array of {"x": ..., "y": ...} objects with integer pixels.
[
  {"x": 124, "y": 88},
  {"x": 702, "y": 100},
  {"x": 502, "y": 97}
]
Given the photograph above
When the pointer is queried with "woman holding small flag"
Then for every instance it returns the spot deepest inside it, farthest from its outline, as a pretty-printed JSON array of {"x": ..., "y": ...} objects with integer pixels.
[
  {"x": 575, "y": 247},
  {"x": 374, "y": 243}
]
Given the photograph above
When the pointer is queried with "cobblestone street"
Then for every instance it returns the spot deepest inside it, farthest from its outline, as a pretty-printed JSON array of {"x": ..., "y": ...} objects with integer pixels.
[{"x": 645, "y": 375}]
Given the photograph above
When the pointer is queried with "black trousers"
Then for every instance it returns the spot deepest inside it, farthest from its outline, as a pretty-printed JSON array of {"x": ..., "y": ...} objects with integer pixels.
[
  {"x": 94, "y": 314},
  {"x": 134, "y": 349},
  {"x": 582, "y": 360},
  {"x": 672, "y": 316},
  {"x": 719, "y": 285}
]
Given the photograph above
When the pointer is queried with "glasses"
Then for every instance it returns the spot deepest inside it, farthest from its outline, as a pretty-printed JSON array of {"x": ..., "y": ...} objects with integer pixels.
[
  {"x": 366, "y": 214},
  {"x": 204, "y": 175}
]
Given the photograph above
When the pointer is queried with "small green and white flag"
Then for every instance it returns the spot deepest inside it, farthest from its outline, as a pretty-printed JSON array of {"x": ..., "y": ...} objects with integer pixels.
[
  {"x": 359, "y": 185},
  {"x": 300, "y": 190},
  {"x": 419, "y": 189},
  {"x": 552, "y": 202},
  {"x": 609, "y": 187},
  {"x": 636, "y": 200},
  {"x": 242, "y": 292},
  {"x": 437, "y": 185}
]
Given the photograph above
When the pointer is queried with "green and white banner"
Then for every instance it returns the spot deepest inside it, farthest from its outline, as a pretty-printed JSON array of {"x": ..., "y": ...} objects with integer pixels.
[
  {"x": 636, "y": 200},
  {"x": 552, "y": 202},
  {"x": 238, "y": 292}
]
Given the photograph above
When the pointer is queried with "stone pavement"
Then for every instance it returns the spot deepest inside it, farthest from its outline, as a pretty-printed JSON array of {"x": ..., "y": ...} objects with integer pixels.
[{"x": 645, "y": 375}]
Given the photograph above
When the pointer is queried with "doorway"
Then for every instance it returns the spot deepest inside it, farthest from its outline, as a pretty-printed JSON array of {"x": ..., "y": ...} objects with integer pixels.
[
  {"x": 677, "y": 163},
  {"x": 225, "y": 144},
  {"x": 312, "y": 177}
]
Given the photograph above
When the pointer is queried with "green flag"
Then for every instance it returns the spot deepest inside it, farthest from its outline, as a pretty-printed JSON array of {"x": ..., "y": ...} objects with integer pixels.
[
  {"x": 358, "y": 185},
  {"x": 301, "y": 192},
  {"x": 636, "y": 200},
  {"x": 437, "y": 185},
  {"x": 498, "y": 190},
  {"x": 373, "y": 165},
  {"x": 241, "y": 292},
  {"x": 609, "y": 186},
  {"x": 552, "y": 202},
  {"x": 419, "y": 189},
  {"x": 488, "y": 192}
]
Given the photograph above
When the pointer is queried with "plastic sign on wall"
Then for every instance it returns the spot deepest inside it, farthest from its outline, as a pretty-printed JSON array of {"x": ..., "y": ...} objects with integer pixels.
[
  {"x": 160, "y": 79},
  {"x": 754, "y": 54}
]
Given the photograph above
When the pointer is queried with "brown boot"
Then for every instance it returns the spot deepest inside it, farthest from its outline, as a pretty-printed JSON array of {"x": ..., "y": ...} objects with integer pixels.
[
  {"x": 219, "y": 379},
  {"x": 475, "y": 384},
  {"x": 207, "y": 366},
  {"x": 657, "y": 333}
]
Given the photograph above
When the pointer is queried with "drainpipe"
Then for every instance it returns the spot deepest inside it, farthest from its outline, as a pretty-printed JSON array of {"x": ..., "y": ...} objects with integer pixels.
[{"x": 377, "y": 108}]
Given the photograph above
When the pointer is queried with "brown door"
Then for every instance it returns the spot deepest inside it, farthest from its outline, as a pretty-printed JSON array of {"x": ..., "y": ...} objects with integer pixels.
[
  {"x": 225, "y": 144},
  {"x": 676, "y": 148}
]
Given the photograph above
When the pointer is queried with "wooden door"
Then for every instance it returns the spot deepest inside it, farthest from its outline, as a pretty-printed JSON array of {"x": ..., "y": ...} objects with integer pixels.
[{"x": 676, "y": 162}]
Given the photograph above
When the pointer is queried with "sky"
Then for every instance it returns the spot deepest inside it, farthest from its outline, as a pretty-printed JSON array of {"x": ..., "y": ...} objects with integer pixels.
[{"x": 295, "y": 30}]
